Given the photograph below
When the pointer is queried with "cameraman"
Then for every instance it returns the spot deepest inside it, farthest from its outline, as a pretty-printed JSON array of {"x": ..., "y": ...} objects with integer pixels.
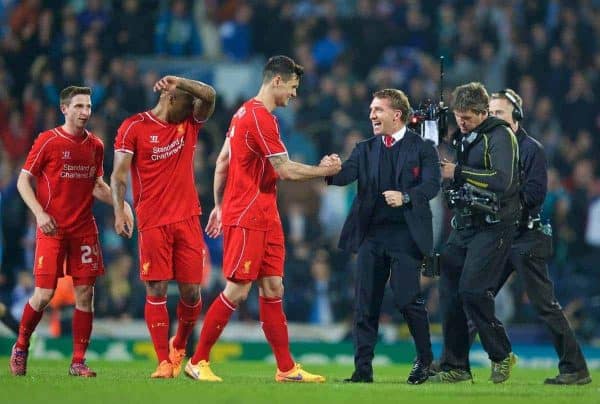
[
  {"x": 475, "y": 253},
  {"x": 532, "y": 247}
]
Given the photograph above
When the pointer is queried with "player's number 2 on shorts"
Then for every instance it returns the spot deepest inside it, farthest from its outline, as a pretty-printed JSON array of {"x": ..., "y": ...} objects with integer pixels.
[{"x": 86, "y": 254}]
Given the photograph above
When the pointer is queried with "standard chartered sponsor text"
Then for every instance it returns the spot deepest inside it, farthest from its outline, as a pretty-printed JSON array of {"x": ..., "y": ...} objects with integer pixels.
[
  {"x": 76, "y": 171},
  {"x": 163, "y": 152}
]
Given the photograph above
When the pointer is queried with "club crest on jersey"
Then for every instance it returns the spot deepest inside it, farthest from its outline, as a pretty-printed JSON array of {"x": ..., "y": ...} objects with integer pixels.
[
  {"x": 247, "y": 265},
  {"x": 145, "y": 268},
  {"x": 66, "y": 155},
  {"x": 153, "y": 138},
  {"x": 180, "y": 129}
]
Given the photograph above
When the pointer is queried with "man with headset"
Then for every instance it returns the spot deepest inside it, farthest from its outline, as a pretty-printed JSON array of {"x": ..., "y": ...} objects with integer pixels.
[{"x": 532, "y": 245}]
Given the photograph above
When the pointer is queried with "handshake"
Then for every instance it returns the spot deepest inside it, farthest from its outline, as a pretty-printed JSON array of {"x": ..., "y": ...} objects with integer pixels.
[{"x": 333, "y": 163}]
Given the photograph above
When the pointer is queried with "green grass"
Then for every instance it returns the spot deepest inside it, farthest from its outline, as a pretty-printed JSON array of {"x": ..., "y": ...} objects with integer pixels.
[{"x": 252, "y": 382}]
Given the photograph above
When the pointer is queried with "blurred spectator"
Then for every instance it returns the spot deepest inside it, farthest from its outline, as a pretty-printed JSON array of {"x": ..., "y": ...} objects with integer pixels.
[
  {"x": 91, "y": 78},
  {"x": 583, "y": 178},
  {"x": 24, "y": 18},
  {"x": 236, "y": 35},
  {"x": 130, "y": 90},
  {"x": 176, "y": 33},
  {"x": 71, "y": 72},
  {"x": 94, "y": 17},
  {"x": 117, "y": 294},
  {"x": 556, "y": 78},
  {"x": 336, "y": 201},
  {"x": 270, "y": 19},
  {"x": 62, "y": 303},
  {"x": 16, "y": 135},
  {"x": 21, "y": 293},
  {"x": 321, "y": 311},
  {"x": 579, "y": 109},
  {"x": 129, "y": 28},
  {"x": 67, "y": 41},
  {"x": 6, "y": 8},
  {"x": 327, "y": 49}
]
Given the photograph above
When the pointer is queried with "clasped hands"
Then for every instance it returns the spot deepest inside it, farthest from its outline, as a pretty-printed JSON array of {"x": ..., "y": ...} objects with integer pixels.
[{"x": 332, "y": 162}]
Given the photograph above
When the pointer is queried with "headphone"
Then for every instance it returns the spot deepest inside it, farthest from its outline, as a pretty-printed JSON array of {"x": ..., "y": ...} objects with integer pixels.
[{"x": 517, "y": 113}]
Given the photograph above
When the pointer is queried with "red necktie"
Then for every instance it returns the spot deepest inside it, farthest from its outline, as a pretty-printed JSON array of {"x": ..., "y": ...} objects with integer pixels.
[{"x": 388, "y": 140}]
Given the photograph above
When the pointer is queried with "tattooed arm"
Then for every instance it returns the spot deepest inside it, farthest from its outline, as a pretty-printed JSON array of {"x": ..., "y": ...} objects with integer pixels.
[
  {"x": 290, "y": 170},
  {"x": 204, "y": 95}
]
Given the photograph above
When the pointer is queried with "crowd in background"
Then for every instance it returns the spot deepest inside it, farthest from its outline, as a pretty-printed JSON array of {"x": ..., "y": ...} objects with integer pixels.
[{"x": 547, "y": 50}]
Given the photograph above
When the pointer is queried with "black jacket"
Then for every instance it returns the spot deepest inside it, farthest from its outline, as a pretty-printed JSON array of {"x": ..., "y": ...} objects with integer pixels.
[
  {"x": 488, "y": 158},
  {"x": 418, "y": 175},
  {"x": 534, "y": 174}
]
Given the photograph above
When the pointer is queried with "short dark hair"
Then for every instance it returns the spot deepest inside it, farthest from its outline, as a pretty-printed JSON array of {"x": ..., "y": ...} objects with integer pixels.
[
  {"x": 472, "y": 96},
  {"x": 68, "y": 93},
  {"x": 283, "y": 66},
  {"x": 398, "y": 100}
]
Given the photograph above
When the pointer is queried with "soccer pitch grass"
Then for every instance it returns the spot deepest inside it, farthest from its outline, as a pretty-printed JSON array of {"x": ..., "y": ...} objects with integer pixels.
[{"x": 253, "y": 382}]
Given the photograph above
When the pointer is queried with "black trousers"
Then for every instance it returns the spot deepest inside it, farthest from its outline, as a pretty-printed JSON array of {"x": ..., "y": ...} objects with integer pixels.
[
  {"x": 473, "y": 265},
  {"x": 388, "y": 253},
  {"x": 528, "y": 256}
]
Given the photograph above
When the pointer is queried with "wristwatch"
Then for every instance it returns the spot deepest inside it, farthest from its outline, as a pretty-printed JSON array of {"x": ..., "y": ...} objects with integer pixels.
[{"x": 405, "y": 198}]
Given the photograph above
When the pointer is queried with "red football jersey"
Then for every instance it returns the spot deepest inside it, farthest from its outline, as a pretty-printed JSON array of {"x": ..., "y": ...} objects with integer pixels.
[
  {"x": 66, "y": 168},
  {"x": 250, "y": 198},
  {"x": 162, "y": 168}
]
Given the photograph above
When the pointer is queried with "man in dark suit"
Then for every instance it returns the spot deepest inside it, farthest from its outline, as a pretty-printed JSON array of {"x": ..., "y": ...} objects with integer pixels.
[{"x": 390, "y": 227}]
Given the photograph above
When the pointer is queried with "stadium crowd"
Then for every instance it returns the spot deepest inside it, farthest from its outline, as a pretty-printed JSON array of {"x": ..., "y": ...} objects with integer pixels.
[{"x": 548, "y": 51}]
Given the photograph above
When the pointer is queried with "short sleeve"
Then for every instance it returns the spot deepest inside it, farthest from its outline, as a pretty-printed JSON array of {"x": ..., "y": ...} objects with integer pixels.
[
  {"x": 126, "y": 136},
  {"x": 37, "y": 157},
  {"x": 267, "y": 133}
]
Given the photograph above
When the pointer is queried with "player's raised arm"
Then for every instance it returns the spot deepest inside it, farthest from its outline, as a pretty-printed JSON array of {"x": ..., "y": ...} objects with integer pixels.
[
  {"x": 118, "y": 182},
  {"x": 204, "y": 95},
  {"x": 287, "y": 169}
]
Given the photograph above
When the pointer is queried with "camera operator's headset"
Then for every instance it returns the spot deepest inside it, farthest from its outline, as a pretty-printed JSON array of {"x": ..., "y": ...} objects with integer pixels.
[{"x": 517, "y": 112}]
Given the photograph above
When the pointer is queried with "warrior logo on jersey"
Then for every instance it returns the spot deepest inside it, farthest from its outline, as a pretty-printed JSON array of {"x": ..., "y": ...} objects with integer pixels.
[
  {"x": 153, "y": 138},
  {"x": 66, "y": 155}
]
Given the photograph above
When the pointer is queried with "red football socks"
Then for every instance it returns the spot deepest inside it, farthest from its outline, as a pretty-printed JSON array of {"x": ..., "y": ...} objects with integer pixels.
[
  {"x": 216, "y": 319},
  {"x": 157, "y": 320},
  {"x": 186, "y": 316},
  {"x": 29, "y": 321},
  {"x": 274, "y": 326},
  {"x": 82, "y": 329}
]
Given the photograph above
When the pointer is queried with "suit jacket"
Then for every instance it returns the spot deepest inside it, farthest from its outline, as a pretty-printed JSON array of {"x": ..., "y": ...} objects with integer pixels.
[{"x": 418, "y": 175}]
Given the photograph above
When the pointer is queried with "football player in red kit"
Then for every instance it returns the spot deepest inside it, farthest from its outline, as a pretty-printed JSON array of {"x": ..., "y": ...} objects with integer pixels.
[
  {"x": 253, "y": 157},
  {"x": 157, "y": 147},
  {"x": 67, "y": 163}
]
